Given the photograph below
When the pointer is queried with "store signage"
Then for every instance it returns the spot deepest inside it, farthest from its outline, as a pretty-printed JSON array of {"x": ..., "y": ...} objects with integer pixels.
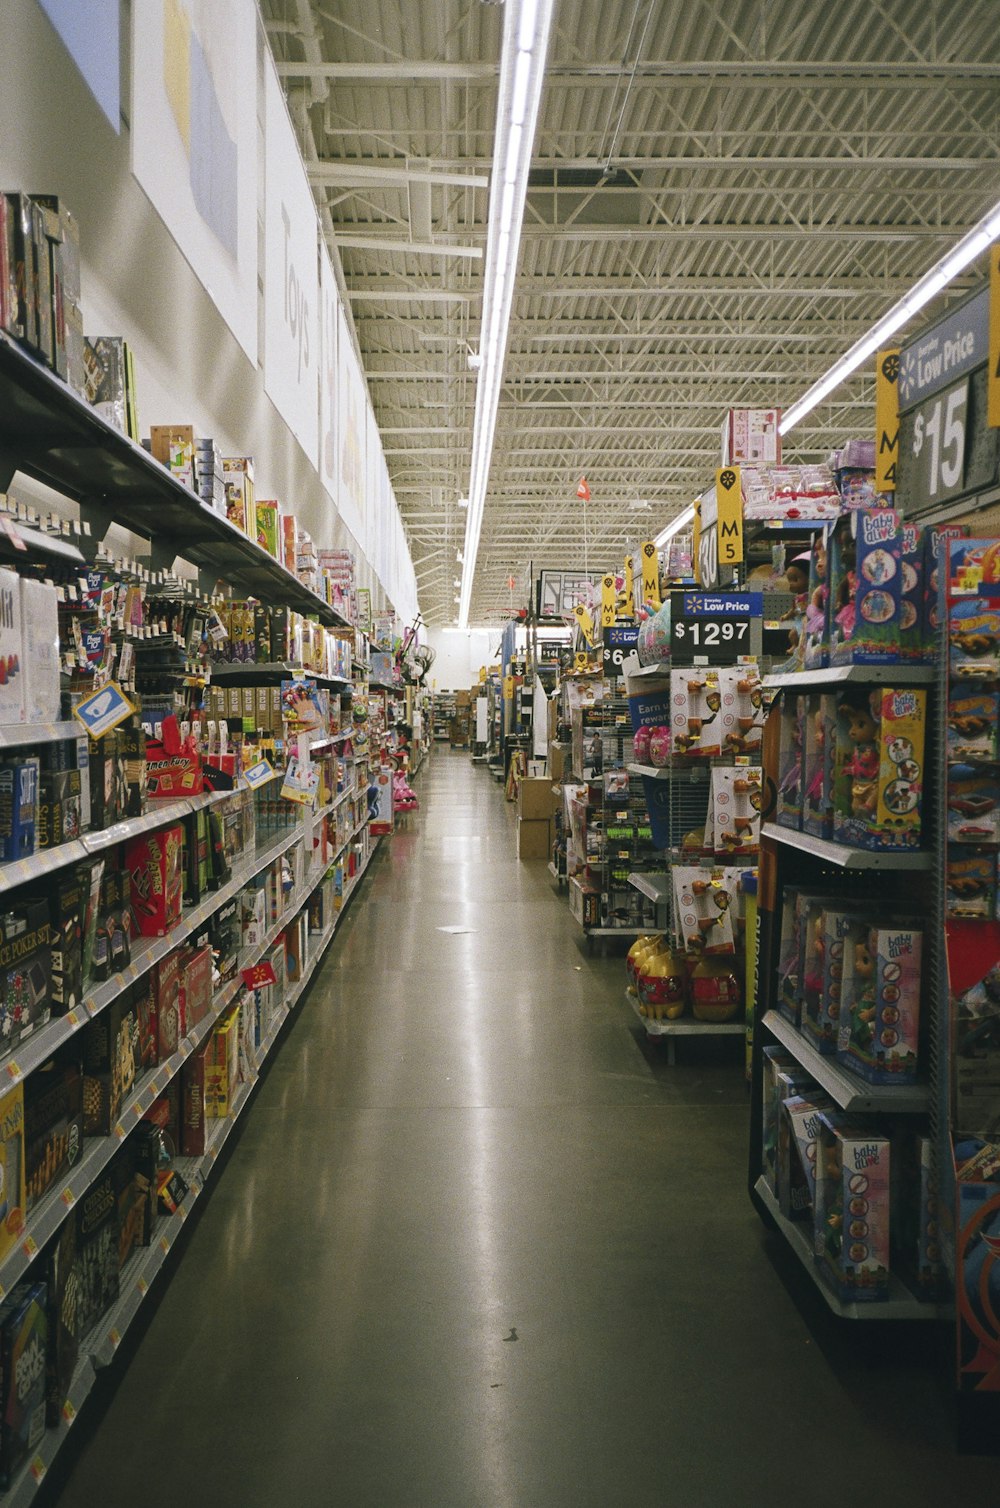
[
  {"x": 729, "y": 504},
  {"x": 955, "y": 345},
  {"x": 937, "y": 436},
  {"x": 696, "y": 542},
  {"x": 628, "y": 608},
  {"x": 886, "y": 419},
  {"x": 714, "y": 626},
  {"x": 650, "y": 575},
  {"x": 584, "y": 622},
  {"x": 103, "y": 710},
  {"x": 618, "y": 643},
  {"x": 607, "y": 600},
  {"x": 993, "y": 370}
]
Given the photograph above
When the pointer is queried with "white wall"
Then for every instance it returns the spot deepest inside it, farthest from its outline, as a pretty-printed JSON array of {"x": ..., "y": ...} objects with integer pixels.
[
  {"x": 136, "y": 283},
  {"x": 459, "y": 656}
]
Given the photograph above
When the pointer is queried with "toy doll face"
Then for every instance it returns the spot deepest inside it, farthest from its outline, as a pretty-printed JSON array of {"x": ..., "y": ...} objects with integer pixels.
[
  {"x": 864, "y": 965},
  {"x": 819, "y": 555},
  {"x": 797, "y": 577},
  {"x": 861, "y": 726}
]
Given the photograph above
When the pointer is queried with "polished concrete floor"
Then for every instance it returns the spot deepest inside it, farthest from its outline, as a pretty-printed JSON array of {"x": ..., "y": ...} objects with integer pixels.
[{"x": 479, "y": 1247}]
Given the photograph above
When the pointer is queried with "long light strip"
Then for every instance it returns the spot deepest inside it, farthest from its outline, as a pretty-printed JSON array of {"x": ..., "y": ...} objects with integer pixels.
[
  {"x": 527, "y": 26},
  {"x": 972, "y": 245},
  {"x": 685, "y": 517}
]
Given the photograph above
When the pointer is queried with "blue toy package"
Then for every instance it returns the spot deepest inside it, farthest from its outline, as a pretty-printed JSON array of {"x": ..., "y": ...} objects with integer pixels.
[
  {"x": 973, "y": 720},
  {"x": 18, "y": 809},
  {"x": 866, "y": 589},
  {"x": 973, "y": 805},
  {"x": 974, "y": 639}
]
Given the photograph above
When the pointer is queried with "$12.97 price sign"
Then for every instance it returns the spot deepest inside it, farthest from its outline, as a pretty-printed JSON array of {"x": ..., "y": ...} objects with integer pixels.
[{"x": 713, "y": 626}]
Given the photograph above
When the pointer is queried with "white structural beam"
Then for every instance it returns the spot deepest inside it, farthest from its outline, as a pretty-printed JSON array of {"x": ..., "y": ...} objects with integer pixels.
[
  {"x": 389, "y": 175},
  {"x": 393, "y": 243},
  {"x": 739, "y": 71}
]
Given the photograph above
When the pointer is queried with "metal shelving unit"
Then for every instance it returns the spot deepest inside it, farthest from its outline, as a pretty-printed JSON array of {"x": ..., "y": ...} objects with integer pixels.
[
  {"x": 900, "y": 1305},
  {"x": 842, "y": 854},
  {"x": 846, "y": 1089},
  {"x": 685, "y": 1026},
  {"x": 238, "y": 671},
  {"x": 841, "y": 675}
]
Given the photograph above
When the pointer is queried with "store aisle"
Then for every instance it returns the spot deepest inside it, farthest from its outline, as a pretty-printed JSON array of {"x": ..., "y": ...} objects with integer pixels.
[{"x": 478, "y": 1247}]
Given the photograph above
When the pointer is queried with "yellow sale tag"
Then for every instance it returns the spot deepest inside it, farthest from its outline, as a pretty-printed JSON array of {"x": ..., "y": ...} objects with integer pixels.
[
  {"x": 72, "y": 1018},
  {"x": 68, "y": 1412},
  {"x": 650, "y": 575},
  {"x": 13, "y": 1071},
  {"x": 142, "y": 1286},
  {"x": 508, "y": 688},
  {"x": 38, "y": 1468},
  {"x": 886, "y": 419},
  {"x": 729, "y": 502},
  {"x": 120, "y": 1131},
  {"x": 114, "y": 1338},
  {"x": 68, "y": 1198},
  {"x": 164, "y": 1245},
  {"x": 993, "y": 370}
]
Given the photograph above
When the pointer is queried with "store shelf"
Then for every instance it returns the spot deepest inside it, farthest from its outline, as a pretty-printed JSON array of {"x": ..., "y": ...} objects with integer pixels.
[
  {"x": 159, "y": 815},
  {"x": 60, "y": 440},
  {"x": 650, "y": 771},
  {"x": 847, "y": 1089},
  {"x": 900, "y": 1305},
  {"x": 38, "y": 542},
  {"x": 235, "y": 673},
  {"x": 656, "y": 887},
  {"x": 842, "y": 855},
  {"x": 839, "y": 675},
  {"x": 661, "y": 668},
  {"x": 19, "y": 735},
  {"x": 686, "y": 1026},
  {"x": 26, "y": 1484}
]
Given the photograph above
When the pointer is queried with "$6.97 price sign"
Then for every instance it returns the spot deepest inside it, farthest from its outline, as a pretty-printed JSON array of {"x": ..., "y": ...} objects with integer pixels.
[{"x": 713, "y": 626}]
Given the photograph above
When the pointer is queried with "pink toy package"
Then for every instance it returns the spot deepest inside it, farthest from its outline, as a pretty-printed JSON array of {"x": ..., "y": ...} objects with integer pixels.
[
  {"x": 880, "y": 1005},
  {"x": 852, "y": 1209}
]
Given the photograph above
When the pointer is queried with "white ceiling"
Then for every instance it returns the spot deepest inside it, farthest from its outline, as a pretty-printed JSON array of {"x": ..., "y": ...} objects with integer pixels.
[{"x": 725, "y": 194}]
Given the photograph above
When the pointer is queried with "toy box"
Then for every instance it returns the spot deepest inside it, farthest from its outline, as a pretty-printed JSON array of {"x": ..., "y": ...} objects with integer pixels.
[
  {"x": 735, "y": 803},
  {"x": 788, "y": 808},
  {"x": 695, "y": 708},
  {"x": 96, "y": 1269},
  {"x": 18, "y": 809},
  {"x": 25, "y": 971},
  {"x": 973, "y": 805},
  {"x": 222, "y": 1074},
  {"x": 11, "y": 678},
  {"x": 815, "y": 649},
  {"x": 915, "y": 645},
  {"x": 973, "y": 718},
  {"x": 879, "y": 769},
  {"x": 866, "y": 588},
  {"x": 24, "y": 1333},
  {"x": 880, "y": 1020},
  {"x": 154, "y": 863},
  {"x": 166, "y": 1004},
  {"x": 63, "y": 1349},
  {"x": 110, "y": 1055},
  {"x": 67, "y": 898},
  {"x": 783, "y": 1078},
  {"x": 53, "y": 1125},
  {"x": 60, "y": 807},
  {"x": 819, "y": 737},
  {"x": 852, "y": 1222},
  {"x": 798, "y": 1131},
  {"x": 11, "y": 1168},
  {"x": 40, "y": 650},
  {"x": 821, "y": 1006},
  {"x": 936, "y": 542},
  {"x": 702, "y": 910},
  {"x": 193, "y": 1108},
  {"x": 788, "y": 983},
  {"x": 971, "y": 884},
  {"x": 268, "y": 525},
  {"x": 916, "y": 1213},
  {"x": 195, "y": 986},
  {"x": 973, "y": 636}
]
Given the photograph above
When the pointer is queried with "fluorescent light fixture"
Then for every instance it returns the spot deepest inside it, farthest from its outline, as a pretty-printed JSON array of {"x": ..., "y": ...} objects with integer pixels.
[
  {"x": 683, "y": 520},
  {"x": 972, "y": 245},
  {"x": 463, "y": 502},
  {"x": 526, "y": 32}
]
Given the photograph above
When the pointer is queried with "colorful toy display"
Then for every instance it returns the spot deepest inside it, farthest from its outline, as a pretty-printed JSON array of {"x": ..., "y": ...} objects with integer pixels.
[
  {"x": 878, "y": 768},
  {"x": 852, "y": 1213},
  {"x": 788, "y": 808},
  {"x": 879, "y": 1032}
]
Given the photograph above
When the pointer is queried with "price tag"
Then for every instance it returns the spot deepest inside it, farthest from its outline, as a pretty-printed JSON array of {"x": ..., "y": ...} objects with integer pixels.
[
  {"x": 38, "y": 1468},
  {"x": 618, "y": 644},
  {"x": 713, "y": 626},
  {"x": 13, "y": 1071},
  {"x": 29, "y": 1246},
  {"x": 938, "y": 446},
  {"x": 142, "y": 1286},
  {"x": 68, "y": 1198},
  {"x": 164, "y": 1245},
  {"x": 115, "y": 1338},
  {"x": 120, "y": 1131},
  {"x": 68, "y": 1412},
  {"x": 72, "y": 1018}
]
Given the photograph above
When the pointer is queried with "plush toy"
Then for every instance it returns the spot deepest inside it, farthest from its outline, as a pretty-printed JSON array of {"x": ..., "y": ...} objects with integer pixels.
[{"x": 863, "y": 765}]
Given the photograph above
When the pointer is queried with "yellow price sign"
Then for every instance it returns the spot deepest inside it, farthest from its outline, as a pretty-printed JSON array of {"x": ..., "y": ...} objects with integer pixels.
[
  {"x": 607, "y": 600},
  {"x": 629, "y": 607},
  {"x": 650, "y": 575},
  {"x": 585, "y": 622},
  {"x": 508, "y": 688},
  {"x": 729, "y": 502},
  {"x": 886, "y": 419}
]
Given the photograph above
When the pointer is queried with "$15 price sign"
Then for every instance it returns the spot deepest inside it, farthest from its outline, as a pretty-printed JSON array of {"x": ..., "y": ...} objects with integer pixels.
[
  {"x": 713, "y": 626},
  {"x": 939, "y": 433}
]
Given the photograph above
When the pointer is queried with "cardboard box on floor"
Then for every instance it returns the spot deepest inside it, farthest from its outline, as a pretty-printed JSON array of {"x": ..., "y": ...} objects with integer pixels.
[
  {"x": 559, "y": 757},
  {"x": 534, "y": 839},
  {"x": 535, "y": 801}
]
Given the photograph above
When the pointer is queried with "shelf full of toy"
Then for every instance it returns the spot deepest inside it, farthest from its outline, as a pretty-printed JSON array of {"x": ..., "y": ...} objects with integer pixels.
[
  {"x": 844, "y": 1060},
  {"x": 610, "y": 835}
]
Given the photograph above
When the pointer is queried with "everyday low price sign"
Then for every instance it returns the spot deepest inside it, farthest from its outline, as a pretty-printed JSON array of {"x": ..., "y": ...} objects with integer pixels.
[{"x": 713, "y": 626}]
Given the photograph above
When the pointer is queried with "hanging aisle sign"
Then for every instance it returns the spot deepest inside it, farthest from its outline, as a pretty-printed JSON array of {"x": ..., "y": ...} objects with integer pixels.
[
  {"x": 729, "y": 506},
  {"x": 628, "y": 608},
  {"x": 650, "y": 575},
  {"x": 607, "y": 601},
  {"x": 291, "y": 276},
  {"x": 886, "y": 419}
]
